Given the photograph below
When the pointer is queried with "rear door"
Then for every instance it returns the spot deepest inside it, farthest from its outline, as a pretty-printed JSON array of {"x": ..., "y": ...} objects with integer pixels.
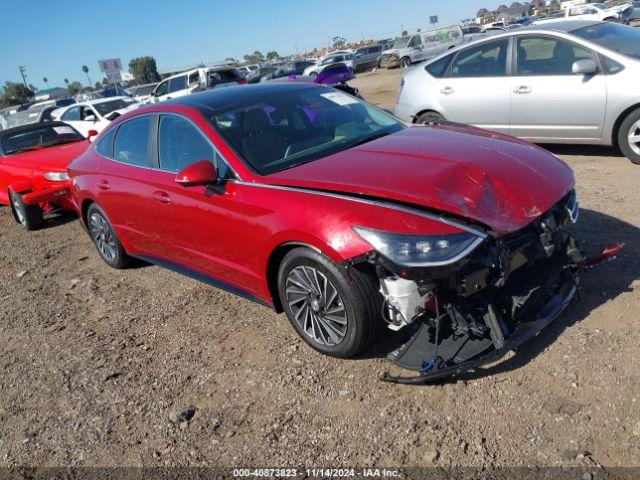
[
  {"x": 125, "y": 191},
  {"x": 548, "y": 101},
  {"x": 477, "y": 88}
]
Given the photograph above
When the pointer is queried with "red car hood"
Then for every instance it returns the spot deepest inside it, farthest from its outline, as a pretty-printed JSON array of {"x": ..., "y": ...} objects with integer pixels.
[
  {"x": 55, "y": 158},
  {"x": 490, "y": 178}
]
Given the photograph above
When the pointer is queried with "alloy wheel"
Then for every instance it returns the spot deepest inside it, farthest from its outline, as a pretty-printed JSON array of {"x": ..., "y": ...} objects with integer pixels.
[
  {"x": 102, "y": 236},
  {"x": 634, "y": 137},
  {"x": 18, "y": 207},
  {"x": 316, "y": 305}
]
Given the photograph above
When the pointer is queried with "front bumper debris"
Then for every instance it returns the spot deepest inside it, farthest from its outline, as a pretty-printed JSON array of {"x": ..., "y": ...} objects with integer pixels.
[{"x": 436, "y": 357}]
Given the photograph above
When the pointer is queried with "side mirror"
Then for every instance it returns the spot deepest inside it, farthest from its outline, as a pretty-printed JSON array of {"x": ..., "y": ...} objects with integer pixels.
[
  {"x": 584, "y": 67},
  {"x": 198, "y": 173},
  {"x": 92, "y": 133}
]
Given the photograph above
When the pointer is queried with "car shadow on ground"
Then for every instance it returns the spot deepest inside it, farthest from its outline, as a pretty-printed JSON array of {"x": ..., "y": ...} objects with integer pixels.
[
  {"x": 584, "y": 150},
  {"x": 58, "y": 219},
  {"x": 600, "y": 284}
]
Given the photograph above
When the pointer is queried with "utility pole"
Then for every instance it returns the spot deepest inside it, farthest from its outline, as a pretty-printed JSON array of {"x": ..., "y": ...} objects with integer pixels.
[{"x": 23, "y": 69}]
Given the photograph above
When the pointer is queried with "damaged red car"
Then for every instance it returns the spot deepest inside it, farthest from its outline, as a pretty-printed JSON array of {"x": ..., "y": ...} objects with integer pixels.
[
  {"x": 33, "y": 169},
  {"x": 315, "y": 203}
]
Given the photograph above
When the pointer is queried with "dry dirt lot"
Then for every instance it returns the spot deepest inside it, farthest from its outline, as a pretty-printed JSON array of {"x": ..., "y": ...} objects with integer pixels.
[{"x": 145, "y": 367}]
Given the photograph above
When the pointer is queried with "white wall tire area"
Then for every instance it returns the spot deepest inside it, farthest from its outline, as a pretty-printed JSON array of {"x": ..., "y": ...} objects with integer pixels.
[
  {"x": 629, "y": 136},
  {"x": 29, "y": 216}
]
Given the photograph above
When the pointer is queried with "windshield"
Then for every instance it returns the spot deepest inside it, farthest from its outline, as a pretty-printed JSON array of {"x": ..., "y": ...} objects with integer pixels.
[
  {"x": 401, "y": 42},
  {"x": 599, "y": 6},
  {"x": 293, "y": 127},
  {"x": 105, "y": 108},
  {"x": 144, "y": 89},
  {"x": 616, "y": 37},
  {"x": 38, "y": 138}
]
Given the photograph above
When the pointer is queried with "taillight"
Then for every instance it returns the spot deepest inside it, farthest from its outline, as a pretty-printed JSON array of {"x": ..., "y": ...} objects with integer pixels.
[{"x": 242, "y": 81}]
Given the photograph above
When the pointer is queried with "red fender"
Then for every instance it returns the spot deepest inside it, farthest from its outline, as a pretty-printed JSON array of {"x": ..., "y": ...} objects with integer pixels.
[{"x": 21, "y": 187}]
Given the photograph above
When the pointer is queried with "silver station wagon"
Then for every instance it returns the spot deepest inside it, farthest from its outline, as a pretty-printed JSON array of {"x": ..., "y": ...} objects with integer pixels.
[{"x": 575, "y": 82}]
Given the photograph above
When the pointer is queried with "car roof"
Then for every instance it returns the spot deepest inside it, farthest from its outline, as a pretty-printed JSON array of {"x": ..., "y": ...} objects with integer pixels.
[
  {"x": 223, "y": 97},
  {"x": 30, "y": 126},
  {"x": 566, "y": 26},
  {"x": 96, "y": 101}
]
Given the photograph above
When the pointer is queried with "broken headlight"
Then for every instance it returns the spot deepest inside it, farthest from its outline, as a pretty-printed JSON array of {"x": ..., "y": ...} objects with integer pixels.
[{"x": 420, "y": 250}]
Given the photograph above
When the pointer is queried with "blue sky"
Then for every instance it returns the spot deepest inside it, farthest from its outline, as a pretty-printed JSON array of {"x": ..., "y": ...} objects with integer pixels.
[{"x": 54, "y": 38}]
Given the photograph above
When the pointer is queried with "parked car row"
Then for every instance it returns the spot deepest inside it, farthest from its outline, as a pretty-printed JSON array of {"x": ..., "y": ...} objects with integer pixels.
[
  {"x": 218, "y": 185},
  {"x": 566, "y": 82}
]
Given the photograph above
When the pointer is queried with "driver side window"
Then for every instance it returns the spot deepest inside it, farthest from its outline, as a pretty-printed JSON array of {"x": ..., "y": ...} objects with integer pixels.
[
  {"x": 485, "y": 60},
  {"x": 415, "y": 42},
  {"x": 162, "y": 89},
  {"x": 73, "y": 114}
]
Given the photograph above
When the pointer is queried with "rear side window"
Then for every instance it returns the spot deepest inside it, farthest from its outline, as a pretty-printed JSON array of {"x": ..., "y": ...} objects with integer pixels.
[
  {"x": 178, "y": 83},
  {"x": 439, "y": 67},
  {"x": 484, "y": 60},
  {"x": 105, "y": 145},
  {"x": 181, "y": 144},
  {"x": 131, "y": 145}
]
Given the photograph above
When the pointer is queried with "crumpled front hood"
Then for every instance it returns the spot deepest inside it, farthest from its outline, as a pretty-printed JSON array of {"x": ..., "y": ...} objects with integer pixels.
[{"x": 493, "y": 179}]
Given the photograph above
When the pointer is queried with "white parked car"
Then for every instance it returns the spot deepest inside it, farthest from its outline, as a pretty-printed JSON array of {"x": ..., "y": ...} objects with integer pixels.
[
  {"x": 195, "y": 80},
  {"x": 95, "y": 114},
  {"x": 344, "y": 56},
  {"x": 568, "y": 82}
]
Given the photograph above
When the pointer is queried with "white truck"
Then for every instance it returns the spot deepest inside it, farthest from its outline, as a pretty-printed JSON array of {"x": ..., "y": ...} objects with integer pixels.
[{"x": 592, "y": 11}]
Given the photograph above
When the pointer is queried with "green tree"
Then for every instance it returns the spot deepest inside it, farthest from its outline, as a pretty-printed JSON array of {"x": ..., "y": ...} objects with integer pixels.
[
  {"x": 14, "y": 94},
  {"x": 405, "y": 33},
  {"x": 272, "y": 55},
  {"x": 85, "y": 69},
  {"x": 254, "y": 57},
  {"x": 74, "y": 87},
  {"x": 144, "y": 69}
]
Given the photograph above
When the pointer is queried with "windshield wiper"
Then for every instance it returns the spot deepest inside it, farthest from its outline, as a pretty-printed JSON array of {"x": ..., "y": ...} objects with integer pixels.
[{"x": 368, "y": 139}]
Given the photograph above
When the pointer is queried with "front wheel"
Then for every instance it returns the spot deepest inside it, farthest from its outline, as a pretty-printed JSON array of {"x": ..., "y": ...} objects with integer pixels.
[
  {"x": 334, "y": 309},
  {"x": 30, "y": 216},
  {"x": 405, "y": 62},
  {"x": 429, "y": 117},
  {"x": 629, "y": 137},
  {"x": 105, "y": 239}
]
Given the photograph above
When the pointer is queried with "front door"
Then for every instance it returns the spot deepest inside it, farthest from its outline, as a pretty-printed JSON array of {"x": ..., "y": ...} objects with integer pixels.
[
  {"x": 477, "y": 90},
  {"x": 548, "y": 101}
]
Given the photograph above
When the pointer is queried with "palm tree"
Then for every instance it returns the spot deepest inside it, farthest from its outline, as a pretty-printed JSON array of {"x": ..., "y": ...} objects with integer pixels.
[
  {"x": 46, "y": 82},
  {"x": 85, "y": 69}
]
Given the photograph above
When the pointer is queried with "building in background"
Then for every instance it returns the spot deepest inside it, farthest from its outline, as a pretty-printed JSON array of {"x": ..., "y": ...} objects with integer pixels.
[{"x": 51, "y": 94}]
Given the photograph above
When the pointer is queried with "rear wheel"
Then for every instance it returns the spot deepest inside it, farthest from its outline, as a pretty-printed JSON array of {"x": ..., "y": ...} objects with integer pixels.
[
  {"x": 429, "y": 117},
  {"x": 30, "y": 216},
  {"x": 333, "y": 309},
  {"x": 105, "y": 239},
  {"x": 629, "y": 137},
  {"x": 405, "y": 62}
]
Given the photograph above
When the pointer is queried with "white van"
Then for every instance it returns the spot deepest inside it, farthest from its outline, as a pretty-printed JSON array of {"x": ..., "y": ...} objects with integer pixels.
[
  {"x": 421, "y": 46},
  {"x": 195, "y": 80}
]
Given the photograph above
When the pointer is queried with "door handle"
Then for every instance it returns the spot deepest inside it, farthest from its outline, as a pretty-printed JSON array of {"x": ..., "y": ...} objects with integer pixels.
[
  {"x": 522, "y": 90},
  {"x": 103, "y": 185},
  {"x": 447, "y": 91},
  {"x": 162, "y": 197}
]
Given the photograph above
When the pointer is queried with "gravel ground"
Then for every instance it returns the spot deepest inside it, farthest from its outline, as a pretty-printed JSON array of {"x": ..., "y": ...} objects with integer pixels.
[{"x": 145, "y": 367}]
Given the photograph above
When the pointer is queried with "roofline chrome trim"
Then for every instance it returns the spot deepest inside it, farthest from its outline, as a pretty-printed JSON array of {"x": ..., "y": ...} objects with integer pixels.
[{"x": 377, "y": 203}]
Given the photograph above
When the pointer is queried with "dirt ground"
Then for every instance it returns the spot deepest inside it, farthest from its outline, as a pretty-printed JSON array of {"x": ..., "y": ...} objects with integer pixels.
[{"x": 144, "y": 367}]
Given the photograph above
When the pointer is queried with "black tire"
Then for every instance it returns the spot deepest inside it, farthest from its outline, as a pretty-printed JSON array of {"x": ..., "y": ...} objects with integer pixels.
[
  {"x": 356, "y": 293},
  {"x": 101, "y": 232},
  {"x": 29, "y": 216},
  {"x": 405, "y": 62},
  {"x": 429, "y": 117},
  {"x": 630, "y": 127}
]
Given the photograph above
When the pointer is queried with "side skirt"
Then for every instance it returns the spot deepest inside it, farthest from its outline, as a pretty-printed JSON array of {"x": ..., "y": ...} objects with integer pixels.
[{"x": 214, "y": 282}]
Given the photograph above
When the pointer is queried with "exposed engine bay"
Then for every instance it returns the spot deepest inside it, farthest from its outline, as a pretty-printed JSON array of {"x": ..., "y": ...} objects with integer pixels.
[{"x": 473, "y": 311}]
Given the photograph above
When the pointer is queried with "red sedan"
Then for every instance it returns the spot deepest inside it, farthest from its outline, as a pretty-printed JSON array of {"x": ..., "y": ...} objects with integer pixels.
[
  {"x": 33, "y": 169},
  {"x": 320, "y": 205}
]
